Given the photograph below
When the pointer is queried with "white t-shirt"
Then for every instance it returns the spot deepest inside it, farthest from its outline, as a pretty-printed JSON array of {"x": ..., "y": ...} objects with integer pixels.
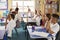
[
  {"x": 17, "y": 17},
  {"x": 54, "y": 28},
  {"x": 38, "y": 18},
  {"x": 10, "y": 27},
  {"x": 30, "y": 16}
]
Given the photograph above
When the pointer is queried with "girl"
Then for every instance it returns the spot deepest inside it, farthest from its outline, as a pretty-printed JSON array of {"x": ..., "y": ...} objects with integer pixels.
[{"x": 10, "y": 26}]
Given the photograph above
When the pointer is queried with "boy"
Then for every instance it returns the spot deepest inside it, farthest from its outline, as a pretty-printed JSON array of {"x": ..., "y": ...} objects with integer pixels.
[
  {"x": 53, "y": 27},
  {"x": 10, "y": 26}
]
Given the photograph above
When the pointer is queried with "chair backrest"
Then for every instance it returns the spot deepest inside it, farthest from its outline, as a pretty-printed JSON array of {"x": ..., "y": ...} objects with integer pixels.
[
  {"x": 23, "y": 24},
  {"x": 58, "y": 35}
]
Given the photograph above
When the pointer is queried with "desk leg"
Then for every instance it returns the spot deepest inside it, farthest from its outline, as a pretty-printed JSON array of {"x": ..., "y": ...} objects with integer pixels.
[
  {"x": 27, "y": 35},
  {"x": 16, "y": 31}
]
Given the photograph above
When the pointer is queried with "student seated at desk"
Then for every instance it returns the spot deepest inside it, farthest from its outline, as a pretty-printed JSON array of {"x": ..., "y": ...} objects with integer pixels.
[
  {"x": 37, "y": 17},
  {"x": 10, "y": 26},
  {"x": 47, "y": 18},
  {"x": 53, "y": 27},
  {"x": 30, "y": 15},
  {"x": 42, "y": 21},
  {"x": 17, "y": 15}
]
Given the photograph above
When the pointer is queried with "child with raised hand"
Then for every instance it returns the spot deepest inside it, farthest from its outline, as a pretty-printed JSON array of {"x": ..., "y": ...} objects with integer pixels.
[
  {"x": 53, "y": 27},
  {"x": 10, "y": 26}
]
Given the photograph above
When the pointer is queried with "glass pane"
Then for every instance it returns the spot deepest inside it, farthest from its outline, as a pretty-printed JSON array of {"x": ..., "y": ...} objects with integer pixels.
[
  {"x": 14, "y": 3},
  {"x": 20, "y": 3},
  {"x": 20, "y": 9},
  {"x": 26, "y": 9},
  {"x": 29, "y": 3},
  {"x": 32, "y": 9}
]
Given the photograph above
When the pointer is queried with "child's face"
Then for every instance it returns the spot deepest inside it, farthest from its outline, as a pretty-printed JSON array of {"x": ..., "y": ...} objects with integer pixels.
[{"x": 53, "y": 20}]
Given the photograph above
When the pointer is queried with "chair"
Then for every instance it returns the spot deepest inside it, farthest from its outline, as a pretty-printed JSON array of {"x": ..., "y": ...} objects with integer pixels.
[
  {"x": 17, "y": 26},
  {"x": 23, "y": 25},
  {"x": 58, "y": 35}
]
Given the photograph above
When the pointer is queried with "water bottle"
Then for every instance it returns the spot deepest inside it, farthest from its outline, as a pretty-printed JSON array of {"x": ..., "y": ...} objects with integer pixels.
[{"x": 33, "y": 28}]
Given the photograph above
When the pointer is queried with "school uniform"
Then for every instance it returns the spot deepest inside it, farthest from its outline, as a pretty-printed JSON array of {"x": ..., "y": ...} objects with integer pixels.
[
  {"x": 30, "y": 15},
  {"x": 38, "y": 18},
  {"x": 30, "y": 20},
  {"x": 17, "y": 17},
  {"x": 10, "y": 27},
  {"x": 55, "y": 29}
]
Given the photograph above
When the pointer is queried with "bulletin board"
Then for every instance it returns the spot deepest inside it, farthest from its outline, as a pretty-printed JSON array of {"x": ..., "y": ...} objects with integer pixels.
[
  {"x": 50, "y": 6},
  {"x": 3, "y": 4}
]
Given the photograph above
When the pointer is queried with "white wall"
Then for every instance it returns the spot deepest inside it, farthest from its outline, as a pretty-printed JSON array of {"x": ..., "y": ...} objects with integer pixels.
[{"x": 37, "y": 4}]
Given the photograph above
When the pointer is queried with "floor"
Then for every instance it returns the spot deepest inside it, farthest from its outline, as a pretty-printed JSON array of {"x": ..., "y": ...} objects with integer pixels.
[{"x": 21, "y": 35}]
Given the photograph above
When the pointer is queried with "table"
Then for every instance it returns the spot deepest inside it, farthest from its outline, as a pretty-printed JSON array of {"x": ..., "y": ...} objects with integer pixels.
[
  {"x": 2, "y": 23},
  {"x": 2, "y": 31},
  {"x": 33, "y": 36}
]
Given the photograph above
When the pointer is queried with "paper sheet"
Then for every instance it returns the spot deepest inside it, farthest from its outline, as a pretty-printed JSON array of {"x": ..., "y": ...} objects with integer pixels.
[
  {"x": 43, "y": 34},
  {"x": 2, "y": 27}
]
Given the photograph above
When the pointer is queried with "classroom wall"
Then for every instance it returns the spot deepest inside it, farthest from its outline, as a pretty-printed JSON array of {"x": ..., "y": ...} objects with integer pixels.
[
  {"x": 40, "y": 7},
  {"x": 59, "y": 8},
  {"x": 9, "y": 6}
]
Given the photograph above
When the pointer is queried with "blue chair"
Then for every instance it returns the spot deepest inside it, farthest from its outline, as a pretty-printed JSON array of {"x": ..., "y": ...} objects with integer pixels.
[
  {"x": 17, "y": 26},
  {"x": 23, "y": 25}
]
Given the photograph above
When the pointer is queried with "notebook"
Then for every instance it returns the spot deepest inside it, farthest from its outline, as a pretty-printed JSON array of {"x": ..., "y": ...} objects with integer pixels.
[{"x": 43, "y": 34}]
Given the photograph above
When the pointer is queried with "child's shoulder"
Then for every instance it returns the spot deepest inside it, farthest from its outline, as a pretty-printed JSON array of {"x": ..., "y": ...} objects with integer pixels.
[
  {"x": 11, "y": 21},
  {"x": 56, "y": 24}
]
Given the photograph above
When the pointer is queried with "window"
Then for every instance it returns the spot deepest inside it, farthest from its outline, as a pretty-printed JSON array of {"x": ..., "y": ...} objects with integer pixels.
[{"x": 23, "y": 5}]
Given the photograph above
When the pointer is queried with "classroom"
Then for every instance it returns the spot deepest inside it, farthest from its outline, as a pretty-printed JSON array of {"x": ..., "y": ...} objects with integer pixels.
[{"x": 29, "y": 19}]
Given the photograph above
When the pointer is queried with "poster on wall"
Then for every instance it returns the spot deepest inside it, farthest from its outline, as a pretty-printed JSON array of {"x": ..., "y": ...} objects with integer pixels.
[{"x": 3, "y": 4}]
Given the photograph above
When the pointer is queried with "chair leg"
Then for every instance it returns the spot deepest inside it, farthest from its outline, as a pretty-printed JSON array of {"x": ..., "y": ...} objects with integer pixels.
[
  {"x": 16, "y": 31},
  {"x": 25, "y": 33},
  {"x": 9, "y": 38}
]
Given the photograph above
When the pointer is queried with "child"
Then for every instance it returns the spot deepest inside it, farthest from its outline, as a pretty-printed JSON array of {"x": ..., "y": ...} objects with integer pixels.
[
  {"x": 47, "y": 18},
  {"x": 10, "y": 26},
  {"x": 37, "y": 17},
  {"x": 53, "y": 27},
  {"x": 42, "y": 21}
]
